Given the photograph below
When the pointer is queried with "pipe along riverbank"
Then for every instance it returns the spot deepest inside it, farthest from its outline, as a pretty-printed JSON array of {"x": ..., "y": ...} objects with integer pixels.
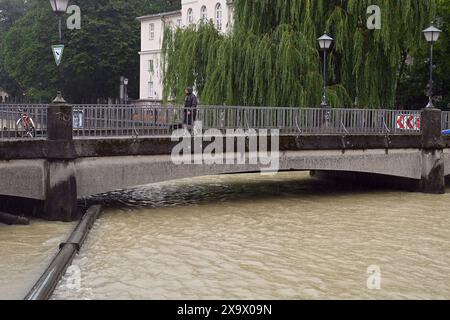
[
  {"x": 10, "y": 219},
  {"x": 44, "y": 287}
]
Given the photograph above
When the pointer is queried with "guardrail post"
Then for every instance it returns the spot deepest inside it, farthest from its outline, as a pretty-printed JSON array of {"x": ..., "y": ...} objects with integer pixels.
[
  {"x": 61, "y": 187},
  {"x": 433, "y": 176}
]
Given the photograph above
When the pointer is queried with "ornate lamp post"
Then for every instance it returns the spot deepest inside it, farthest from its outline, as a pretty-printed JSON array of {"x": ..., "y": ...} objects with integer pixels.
[
  {"x": 59, "y": 7},
  {"x": 61, "y": 198},
  {"x": 325, "y": 42},
  {"x": 431, "y": 35}
]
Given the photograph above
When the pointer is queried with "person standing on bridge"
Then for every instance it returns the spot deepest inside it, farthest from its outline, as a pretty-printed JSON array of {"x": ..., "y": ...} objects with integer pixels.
[{"x": 190, "y": 108}]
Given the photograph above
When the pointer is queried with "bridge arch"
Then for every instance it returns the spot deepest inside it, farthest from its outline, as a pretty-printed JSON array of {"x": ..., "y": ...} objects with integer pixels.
[{"x": 100, "y": 175}]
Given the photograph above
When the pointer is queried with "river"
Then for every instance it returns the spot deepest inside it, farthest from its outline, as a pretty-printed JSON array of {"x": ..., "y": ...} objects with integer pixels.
[
  {"x": 25, "y": 252},
  {"x": 249, "y": 236}
]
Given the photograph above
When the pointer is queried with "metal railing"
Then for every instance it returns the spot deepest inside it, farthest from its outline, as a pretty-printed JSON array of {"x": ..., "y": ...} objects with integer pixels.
[
  {"x": 158, "y": 120},
  {"x": 103, "y": 120},
  {"x": 311, "y": 121},
  {"x": 11, "y": 120},
  {"x": 125, "y": 120}
]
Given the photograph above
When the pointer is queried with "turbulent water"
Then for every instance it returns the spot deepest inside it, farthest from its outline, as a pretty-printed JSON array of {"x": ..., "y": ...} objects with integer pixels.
[
  {"x": 263, "y": 237},
  {"x": 25, "y": 252},
  {"x": 245, "y": 237}
]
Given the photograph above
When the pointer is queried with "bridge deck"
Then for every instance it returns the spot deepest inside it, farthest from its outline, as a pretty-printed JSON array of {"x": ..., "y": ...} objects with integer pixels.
[{"x": 160, "y": 145}]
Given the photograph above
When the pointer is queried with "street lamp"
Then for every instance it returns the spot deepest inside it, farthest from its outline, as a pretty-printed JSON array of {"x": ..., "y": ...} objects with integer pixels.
[
  {"x": 59, "y": 7},
  {"x": 325, "y": 42},
  {"x": 431, "y": 35},
  {"x": 125, "y": 82}
]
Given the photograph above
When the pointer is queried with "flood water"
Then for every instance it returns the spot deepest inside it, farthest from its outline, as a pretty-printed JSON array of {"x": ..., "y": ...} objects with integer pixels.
[
  {"x": 262, "y": 237},
  {"x": 25, "y": 252}
]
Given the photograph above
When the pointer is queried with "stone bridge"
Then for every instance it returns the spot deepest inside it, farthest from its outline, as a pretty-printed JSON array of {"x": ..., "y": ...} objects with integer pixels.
[{"x": 45, "y": 177}]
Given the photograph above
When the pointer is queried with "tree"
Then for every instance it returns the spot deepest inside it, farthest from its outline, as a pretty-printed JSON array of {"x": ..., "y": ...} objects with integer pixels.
[
  {"x": 272, "y": 57},
  {"x": 414, "y": 81},
  {"x": 10, "y": 12},
  {"x": 95, "y": 57}
]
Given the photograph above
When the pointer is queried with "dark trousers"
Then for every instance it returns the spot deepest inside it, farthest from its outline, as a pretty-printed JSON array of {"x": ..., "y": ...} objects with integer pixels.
[{"x": 189, "y": 116}]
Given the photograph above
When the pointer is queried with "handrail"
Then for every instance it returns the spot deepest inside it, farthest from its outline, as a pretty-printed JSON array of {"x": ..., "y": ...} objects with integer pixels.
[{"x": 142, "y": 120}]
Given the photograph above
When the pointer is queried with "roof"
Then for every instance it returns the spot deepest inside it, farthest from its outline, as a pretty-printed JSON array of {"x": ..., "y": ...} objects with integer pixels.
[{"x": 159, "y": 15}]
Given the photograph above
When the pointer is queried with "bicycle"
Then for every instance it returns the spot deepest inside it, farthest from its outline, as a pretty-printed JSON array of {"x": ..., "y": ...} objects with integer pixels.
[{"x": 25, "y": 127}]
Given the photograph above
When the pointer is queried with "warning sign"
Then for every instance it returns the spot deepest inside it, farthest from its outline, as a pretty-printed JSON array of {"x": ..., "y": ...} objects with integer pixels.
[{"x": 408, "y": 122}]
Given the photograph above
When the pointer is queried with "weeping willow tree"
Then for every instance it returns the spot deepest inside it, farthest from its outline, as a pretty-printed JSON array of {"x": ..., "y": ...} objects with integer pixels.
[{"x": 271, "y": 56}]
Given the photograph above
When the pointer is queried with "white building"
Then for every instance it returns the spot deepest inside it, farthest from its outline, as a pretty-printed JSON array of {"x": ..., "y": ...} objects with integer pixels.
[{"x": 152, "y": 31}]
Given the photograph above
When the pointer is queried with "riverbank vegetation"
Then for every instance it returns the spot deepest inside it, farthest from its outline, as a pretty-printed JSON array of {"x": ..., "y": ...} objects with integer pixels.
[
  {"x": 105, "y": 48},
  {"x": 271, "y": 56}
]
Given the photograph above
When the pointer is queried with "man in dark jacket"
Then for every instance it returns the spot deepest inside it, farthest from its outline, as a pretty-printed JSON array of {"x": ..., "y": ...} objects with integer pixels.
[{"x": 190, "y": 107}]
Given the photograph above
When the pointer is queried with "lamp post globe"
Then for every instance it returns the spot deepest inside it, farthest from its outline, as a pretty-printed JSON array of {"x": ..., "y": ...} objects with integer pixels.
[
  {"x": 59, "y": 6},
  {"x": 432, "y": 36},
  {"x": 325, "y": 42}
]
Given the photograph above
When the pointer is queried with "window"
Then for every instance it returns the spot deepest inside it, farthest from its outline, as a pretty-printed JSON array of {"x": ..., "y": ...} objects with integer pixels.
[
  {"x": 151, "y": 66},
  {"x": 151, "y": 90},
  {"x": 152, "y": 31},
  {"x": 190, "y": 16},
  {"x": 219, "y": 16},
  {"x": 179, "y": 22},
  {"x": 204, "y": 14}
]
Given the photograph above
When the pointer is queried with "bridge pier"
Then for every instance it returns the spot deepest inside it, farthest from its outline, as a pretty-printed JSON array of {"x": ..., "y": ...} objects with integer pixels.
[
  {"x": 433, "y": 179},
  {"x": 61, "y": 187},
  {"x": 60, "y": 202},
  {"x": 433, "y": 175}
]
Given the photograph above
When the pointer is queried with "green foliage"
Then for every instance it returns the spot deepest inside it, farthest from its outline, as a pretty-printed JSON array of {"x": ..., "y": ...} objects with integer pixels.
[
  {"x": 415, "y": 78},
  {"x": 194, "y": 51},
  {"x": 95, "y": 57},
  {"x": 271, "y": 57},
  {"x": 27, "y": 61},
  {"x": 10, "y": 11}
]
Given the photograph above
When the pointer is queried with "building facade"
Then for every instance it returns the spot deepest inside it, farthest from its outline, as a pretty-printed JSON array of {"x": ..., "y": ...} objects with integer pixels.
[{"x": 152, "y": 32}]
